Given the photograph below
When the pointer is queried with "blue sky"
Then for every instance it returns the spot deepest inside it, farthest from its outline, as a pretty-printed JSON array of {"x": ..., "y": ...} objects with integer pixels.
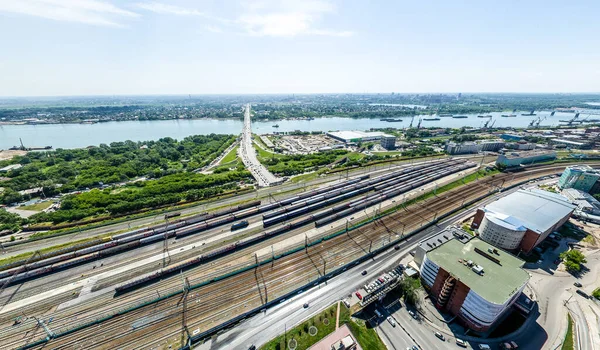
[{"x": 106, "y": 47}]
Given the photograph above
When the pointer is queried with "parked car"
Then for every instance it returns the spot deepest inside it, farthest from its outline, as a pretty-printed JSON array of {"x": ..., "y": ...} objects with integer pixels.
[
  {"x": 412, "y": 314},
  {"x": 305, "y": 305},
  {"x": 358, "y": 295},
  {"x": 440, "y": 336},
  {"x": 577, "y": 284}
]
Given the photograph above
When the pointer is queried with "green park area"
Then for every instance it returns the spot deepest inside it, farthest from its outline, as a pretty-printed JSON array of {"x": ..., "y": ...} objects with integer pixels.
[{"x": 319, "y": 326}]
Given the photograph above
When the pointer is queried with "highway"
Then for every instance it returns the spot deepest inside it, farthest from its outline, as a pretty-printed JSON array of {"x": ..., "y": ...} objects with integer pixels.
[{"x": 248, "y": 155}]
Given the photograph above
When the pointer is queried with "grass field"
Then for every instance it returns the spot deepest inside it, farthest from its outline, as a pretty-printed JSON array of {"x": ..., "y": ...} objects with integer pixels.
[
  {"x": 324, "y": 322},
  {"x": 365, "y": 335},
  {"x": 568, "y": 342},
  {"x": 230, "y": 157},
  {"x": 38, "y": 206}
]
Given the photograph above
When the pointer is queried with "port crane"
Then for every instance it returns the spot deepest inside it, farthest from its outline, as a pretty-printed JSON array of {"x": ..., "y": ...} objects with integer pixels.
[
  {"x": 485, "y": 125},
  {"x": 571, "y": 121},
  {"x": 419, "y": 125},
  {"x": 536, "y": 122},
  {"x": 540, "y": 119},
  {"x": 411, "y": 122}
]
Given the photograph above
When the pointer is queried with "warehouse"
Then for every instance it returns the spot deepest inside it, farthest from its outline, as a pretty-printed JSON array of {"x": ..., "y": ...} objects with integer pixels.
[
  {"x": 523, "y": 219},
  {"x": 515, "y": 159},
  {"x": 473, "y": 280},
  {"x": 358, "y": 136}
]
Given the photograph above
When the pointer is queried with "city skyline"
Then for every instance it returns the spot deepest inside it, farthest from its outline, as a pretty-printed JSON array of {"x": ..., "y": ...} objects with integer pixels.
[{"x": 97, "y": 47}]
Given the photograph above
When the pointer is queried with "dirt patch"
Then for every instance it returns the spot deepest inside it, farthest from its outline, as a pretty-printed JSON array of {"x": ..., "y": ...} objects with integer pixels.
[{"x": 8, "y": 154}]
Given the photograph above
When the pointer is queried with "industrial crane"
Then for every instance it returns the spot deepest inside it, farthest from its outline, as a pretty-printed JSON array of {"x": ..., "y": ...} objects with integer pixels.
[
  {"x": 485, "y": 125},
  {"x": 537, "y": 123},
  {"x": 419, "y": 125},
  {"x": 571, "y": 121}
]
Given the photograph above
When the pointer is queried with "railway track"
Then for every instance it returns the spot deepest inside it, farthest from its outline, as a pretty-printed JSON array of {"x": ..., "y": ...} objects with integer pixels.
[
  {"x": 223, "y": 299},
  {"x": 32, "y": 290}
]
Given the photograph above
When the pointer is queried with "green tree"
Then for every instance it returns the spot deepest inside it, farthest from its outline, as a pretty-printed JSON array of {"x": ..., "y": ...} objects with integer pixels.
[{"x": 573, "y": 260}]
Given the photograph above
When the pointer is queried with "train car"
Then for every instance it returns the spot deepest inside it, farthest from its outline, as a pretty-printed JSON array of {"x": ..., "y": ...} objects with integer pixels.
[
  {"x": 138, "y": 282},
  {"x": 252, "y": 240},
  {"x": 119, "y": 248},
  {"x": 182, "y": 232},
  {"x": 278, "y": 230},
  {"x": 76, "y": 261},
  {"x": 172, "y": 215},
  {"x": 51, "y": 261},
  {"x": 155, "y": 238},
  {"x": 245, "y": 213},
  {"x": 130, "y": 233},
  {"x": 239, "y": 225}
]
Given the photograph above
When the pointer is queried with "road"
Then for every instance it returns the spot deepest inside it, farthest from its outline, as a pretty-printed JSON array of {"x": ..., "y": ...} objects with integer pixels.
[{"x": 248, "y": 155}]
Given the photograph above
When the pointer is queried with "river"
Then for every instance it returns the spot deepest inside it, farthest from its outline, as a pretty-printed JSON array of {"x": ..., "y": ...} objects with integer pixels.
[{"x": 83, "y": 135}]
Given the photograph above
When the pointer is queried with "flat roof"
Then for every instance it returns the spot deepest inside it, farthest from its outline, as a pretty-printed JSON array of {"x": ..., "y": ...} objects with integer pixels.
[
  {"x": 524, "y": 154},
  {"x": 538, "y": 210},
  {"x": 498, "y": 282},
  {"x": 355, "y": 134}
]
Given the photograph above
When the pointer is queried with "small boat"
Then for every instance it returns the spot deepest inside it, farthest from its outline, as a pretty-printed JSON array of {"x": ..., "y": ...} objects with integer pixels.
[
  {"x": 445, "y": 115},
  {"x": 508, "y": 115},
  {"x": 431, "y": 119},
  {"x": 460, "y": 116},
  {"x": 484, "y": 116},
  {"x": 276, "y": 125}
]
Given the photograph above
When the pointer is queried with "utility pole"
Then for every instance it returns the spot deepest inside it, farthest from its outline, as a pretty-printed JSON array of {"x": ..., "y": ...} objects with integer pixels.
[
  {"x": 184, "y": 328},
  {"x": 42, "y": 324}
]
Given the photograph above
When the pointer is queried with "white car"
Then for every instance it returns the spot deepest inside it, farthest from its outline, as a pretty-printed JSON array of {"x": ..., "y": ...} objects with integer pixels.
[{"x": 391, "y": 321}]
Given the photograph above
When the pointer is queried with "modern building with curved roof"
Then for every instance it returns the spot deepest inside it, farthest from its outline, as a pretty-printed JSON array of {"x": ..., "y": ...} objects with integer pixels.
[{"x": 523, "y": 219}]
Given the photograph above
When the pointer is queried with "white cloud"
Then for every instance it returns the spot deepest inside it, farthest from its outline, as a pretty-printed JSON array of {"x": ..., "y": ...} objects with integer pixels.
[
  {"x": 94, "y": 12},
  {"x": 213, "y": 29},
  {"x": 165, "y": 9},
  {"x": 287, "y": 18}
]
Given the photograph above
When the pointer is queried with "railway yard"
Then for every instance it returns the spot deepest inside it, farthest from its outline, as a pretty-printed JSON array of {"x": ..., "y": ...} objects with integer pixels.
[{"x": 158, "y": 286}]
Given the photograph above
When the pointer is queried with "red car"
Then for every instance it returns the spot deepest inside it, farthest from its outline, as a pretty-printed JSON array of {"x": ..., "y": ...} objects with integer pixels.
[{"x": 358, "y": 295}]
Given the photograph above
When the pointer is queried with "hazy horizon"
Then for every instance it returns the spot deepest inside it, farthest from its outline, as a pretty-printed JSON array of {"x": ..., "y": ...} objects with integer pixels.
[{"x": 264, "y": 47}]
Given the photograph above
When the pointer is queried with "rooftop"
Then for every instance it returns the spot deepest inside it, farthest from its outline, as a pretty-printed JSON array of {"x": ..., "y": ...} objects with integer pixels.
[
  {"x": 535, "y": 209},
  {"x": 523, "y": 154},
  {"x": 354, "y": 134},
  {"x": 584, "y": 168},
  {"x": 449, "y": 233},
  {"x": 499, "y": 281}
]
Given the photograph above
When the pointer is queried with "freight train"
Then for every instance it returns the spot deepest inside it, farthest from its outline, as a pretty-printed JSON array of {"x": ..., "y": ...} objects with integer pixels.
[{"x": 24, "y": 269}]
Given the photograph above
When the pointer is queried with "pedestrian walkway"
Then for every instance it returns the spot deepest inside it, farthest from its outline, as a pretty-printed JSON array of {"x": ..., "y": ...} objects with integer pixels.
[{"x": 337, "y": 316}]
